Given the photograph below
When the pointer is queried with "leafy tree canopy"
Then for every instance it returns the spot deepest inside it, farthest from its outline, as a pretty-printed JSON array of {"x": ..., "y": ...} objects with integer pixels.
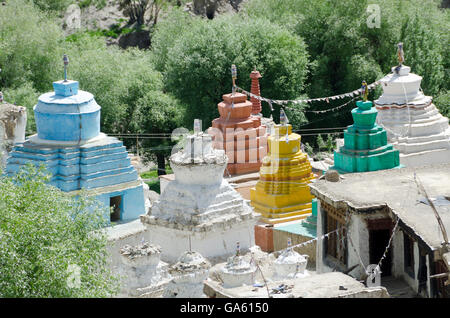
[{"x": 47, "y": 237}]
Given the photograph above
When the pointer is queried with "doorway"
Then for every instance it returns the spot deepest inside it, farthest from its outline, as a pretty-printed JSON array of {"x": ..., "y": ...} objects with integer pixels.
[
  {"x": 422, "y": 275},
  {"x": 116, "y": 208},
  {"x": 378, "y": 240}
]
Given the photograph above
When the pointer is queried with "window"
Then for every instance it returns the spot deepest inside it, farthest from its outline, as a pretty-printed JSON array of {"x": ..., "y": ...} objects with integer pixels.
[
  {"x": 114, "y": 204},
  {"x": 336, "y": 243},
  {"x": 408, "y": 251}
]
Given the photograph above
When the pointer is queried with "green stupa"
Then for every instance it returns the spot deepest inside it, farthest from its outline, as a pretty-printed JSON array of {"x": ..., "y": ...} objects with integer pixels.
[{"x": 365, "y": 143}]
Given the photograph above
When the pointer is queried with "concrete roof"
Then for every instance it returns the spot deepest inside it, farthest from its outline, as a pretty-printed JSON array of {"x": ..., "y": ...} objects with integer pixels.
[{"x": 396, "y": 189}]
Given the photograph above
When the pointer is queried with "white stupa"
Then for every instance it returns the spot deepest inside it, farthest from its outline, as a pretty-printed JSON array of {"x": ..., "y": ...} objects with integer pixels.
[
  {"x": 199, "y": 210},
  {"x": 413, "y": 123}
]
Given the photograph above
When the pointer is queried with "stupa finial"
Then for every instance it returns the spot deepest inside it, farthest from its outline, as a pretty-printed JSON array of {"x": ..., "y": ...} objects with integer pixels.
[
  {"x": 364, "y": 91},
  {"x": 400, "y": 54},
  {"x": 66, "y": 63}
]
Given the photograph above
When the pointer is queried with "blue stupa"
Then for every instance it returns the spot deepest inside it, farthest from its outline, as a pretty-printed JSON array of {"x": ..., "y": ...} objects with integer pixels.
[{"x": 69, "y": 143}]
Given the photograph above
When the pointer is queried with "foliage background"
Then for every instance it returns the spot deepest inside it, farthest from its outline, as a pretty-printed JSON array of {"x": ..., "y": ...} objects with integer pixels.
[{"x": 309, "y": 48}]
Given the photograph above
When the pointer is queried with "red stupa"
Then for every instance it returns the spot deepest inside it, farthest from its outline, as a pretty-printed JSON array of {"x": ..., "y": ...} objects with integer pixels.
[{"x": 239, "y": 132}]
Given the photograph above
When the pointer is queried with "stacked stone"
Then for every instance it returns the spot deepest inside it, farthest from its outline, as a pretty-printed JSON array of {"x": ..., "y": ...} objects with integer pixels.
[
  {"x": 282, "y": 192},
  {"x": 413, "y": 123},
  {"x": 365, "y": 144},
  {"x": 240, "y": 134}
]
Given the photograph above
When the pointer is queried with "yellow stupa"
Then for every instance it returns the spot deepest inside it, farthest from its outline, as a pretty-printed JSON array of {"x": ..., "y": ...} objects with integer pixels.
[{"x": 282, "y": 192}]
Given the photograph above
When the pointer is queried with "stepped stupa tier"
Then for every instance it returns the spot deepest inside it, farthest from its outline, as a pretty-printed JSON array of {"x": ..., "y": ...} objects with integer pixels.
[
  {"x": 413, "y": 123},
  {"x": 199, "y": 210},
  {"x": 69, "y": 143},
  {"x": 365, "y": 144},
  {"x": 240, "y": 134},
  {"x": 282, "y": 192}
]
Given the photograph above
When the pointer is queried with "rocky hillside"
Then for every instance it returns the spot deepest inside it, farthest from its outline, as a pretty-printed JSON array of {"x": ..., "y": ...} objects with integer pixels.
[{"x": 111, "y": 20}]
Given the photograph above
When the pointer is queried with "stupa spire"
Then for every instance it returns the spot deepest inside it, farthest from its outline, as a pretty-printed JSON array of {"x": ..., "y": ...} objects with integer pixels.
[
  {"x": 255, "y": 90},
  {"x": 283, "y": 118}
]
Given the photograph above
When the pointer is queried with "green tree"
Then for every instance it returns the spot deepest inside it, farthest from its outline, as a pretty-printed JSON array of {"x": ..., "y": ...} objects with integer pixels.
[
  {"x": 321, "y": 143},
  {"x": 47, "y": 237}
]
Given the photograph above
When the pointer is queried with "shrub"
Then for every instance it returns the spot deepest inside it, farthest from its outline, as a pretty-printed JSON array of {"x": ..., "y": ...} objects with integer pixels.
[
  {"x": 46, "y": 236},
  {"x": 26, "y": 96},
  {"x": 442, "y": 102},
  {"x": 52, "y": 5},
  {"x": 321, "y": 143}
]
